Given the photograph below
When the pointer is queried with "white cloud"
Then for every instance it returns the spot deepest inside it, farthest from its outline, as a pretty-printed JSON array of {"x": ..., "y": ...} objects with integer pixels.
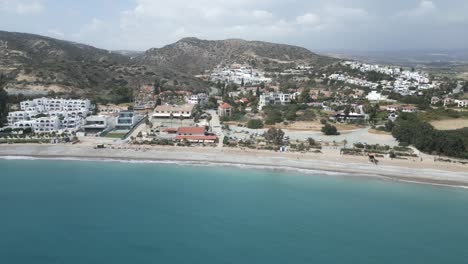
[
  {"x": 25, "y": 8},
  {"x": 22, "y": 7},
  {"x": 424, "y": 8},
  {"x": 308, "y": 19}
]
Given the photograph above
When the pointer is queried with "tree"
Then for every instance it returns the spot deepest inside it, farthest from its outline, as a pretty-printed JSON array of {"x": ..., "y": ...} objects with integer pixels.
[
  {"x": 157, "y": 86},
  {"x": 255, "y": 124},
  {"x": 305, "y": 96},
  {"x": 329, "y": 130},
  {"x": 274, "y": 136},
  {"x": 3, "y": 101},
  {"x": 242, "y": 82},
  {"x": 311, "y": 141},
  {"x": 208, "y": 119},
  {"x": 225, "y": 140},
  {"x": 171, "y": 116},
  {"x": 181, "y": 118}
]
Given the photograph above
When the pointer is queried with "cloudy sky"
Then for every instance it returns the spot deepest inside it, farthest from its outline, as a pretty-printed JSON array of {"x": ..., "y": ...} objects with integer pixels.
[{"x": 314, "y": 24}]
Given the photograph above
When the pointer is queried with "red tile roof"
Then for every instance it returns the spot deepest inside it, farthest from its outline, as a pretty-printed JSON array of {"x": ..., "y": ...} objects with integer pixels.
[
  {"x": 191, "y": 131},
  {"x": 181, "y": 137},
  {"x": 225, "y": 106}
]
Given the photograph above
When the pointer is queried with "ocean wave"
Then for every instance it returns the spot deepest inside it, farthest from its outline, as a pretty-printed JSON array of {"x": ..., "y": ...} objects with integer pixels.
[{"x": 191, "y": 163}]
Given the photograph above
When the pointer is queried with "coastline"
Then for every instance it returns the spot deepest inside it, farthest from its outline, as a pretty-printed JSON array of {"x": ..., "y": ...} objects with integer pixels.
[{"x": 427, "y": 172}]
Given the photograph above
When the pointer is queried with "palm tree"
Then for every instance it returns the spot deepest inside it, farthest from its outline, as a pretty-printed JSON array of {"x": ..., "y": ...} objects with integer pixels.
[
  {"x": 181, "y": 118},
  {"x": 208, "y": 118},
  {"x": 171, "y": 116}
]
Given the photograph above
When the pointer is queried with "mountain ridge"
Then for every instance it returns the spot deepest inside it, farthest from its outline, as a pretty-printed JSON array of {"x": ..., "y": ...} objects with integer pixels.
[{"x": 40, "y": 63}]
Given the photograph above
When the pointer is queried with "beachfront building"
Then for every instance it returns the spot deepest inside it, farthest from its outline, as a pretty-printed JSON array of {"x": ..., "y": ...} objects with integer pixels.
[
  {"x": 17, "y": 116},
  {"x": 96, "y": 123},
  {"x": 173, "y": 111},
  {"x": 46, "y": 125},
  {"x": 224, "y": 110},
  {"x": 127, "y": 119},
  {"x": 44, "y": 105},
  {"x": 274, "y": 99},
  {"x": 195, "y": 135}
]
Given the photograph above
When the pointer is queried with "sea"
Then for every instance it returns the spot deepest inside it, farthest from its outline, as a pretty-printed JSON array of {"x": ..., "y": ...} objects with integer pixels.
[{"x": 67, "y": 211}]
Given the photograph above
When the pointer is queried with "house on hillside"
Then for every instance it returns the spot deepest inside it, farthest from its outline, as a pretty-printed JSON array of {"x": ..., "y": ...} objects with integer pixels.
[
  {"x": 225, "y": 109},
  {"x": 462, "y": 103}
]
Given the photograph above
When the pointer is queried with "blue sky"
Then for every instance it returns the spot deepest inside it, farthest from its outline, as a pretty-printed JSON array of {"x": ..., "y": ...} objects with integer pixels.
[{"x": 314, "y": 24}]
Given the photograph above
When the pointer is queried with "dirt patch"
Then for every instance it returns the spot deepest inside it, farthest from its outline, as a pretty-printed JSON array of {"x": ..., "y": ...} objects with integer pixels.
[
  {"x": 379, "y": 132},
  {"x": 450, "y": 124}
]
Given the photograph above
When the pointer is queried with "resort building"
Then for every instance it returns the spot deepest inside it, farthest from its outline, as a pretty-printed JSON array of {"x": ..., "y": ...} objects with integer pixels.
[
  {"x": 195, "y": 135},
  {"x": 173, "y": 111},
  {"x": 18, "y": 116},
  {"x": 273, "y": 99},
  {"x": 224, "y": 109},
  {"x": 43, "y": 105},
  {"x": 46, "y": 124}
]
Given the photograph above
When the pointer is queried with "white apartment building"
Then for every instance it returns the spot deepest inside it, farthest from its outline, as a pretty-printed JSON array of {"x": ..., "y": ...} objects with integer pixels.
[
  {"x": 42, "y": 105},
  {"x": 18, "y": 116},
  {"x": 46, "y": 124},
  {"x": 57, "y": 115},
  {"x": 273, "y": 99}
]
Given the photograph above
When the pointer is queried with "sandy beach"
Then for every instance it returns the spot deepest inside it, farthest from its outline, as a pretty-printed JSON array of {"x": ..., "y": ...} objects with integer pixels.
[{"x": 426, "y": 171}]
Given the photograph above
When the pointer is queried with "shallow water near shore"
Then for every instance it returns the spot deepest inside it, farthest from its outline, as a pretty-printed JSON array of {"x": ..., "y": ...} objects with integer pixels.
[{"x": 110, "y": 212}]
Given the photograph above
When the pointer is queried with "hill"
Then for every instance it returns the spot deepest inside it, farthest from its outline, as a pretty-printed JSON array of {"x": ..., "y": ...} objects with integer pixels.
[
  {"x": 195, "y": 56},
  {"x": 37, "y": 64}
]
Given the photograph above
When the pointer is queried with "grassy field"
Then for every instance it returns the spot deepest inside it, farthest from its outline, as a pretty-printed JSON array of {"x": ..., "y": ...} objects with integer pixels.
[{"x": 115, "y": 135}]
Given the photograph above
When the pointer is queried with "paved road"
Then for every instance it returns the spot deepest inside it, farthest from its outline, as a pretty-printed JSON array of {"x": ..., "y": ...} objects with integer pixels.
[{"x": 216, "y": 127}]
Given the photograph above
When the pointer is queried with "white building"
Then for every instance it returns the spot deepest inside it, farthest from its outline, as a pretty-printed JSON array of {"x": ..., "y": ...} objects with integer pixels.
[
  {"x": 127, "y": 120},
  {"x": 174, "y": 111},
  {"x": 18, "y": 116},
  {"x": 46, "y": 124},
  {"x": 375, "y": 97},
  {"x": 461, "y": 103},
  {"x": 42, "y": 105},
  {"x": 96, "y": 122},
  {"x": 201, "y": 99},
  {"x": 273, "y": 99}
]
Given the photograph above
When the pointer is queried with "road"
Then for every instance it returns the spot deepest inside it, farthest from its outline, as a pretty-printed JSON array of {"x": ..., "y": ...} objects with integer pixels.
[{"x": 216, "y": 127}]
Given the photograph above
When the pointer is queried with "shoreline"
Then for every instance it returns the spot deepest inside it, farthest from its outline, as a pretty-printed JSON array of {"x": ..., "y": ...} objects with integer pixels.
[{"x": 449, "y": 176}]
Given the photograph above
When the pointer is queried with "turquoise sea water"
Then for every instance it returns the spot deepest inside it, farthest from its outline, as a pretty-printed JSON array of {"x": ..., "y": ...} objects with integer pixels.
[{"x": 105, "y": 212}]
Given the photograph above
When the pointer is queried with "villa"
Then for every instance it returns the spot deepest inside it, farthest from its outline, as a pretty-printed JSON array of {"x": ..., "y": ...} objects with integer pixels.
[
  {"x": 225, "y": 109},
  {"x": 127, "y": 120},
  {"x": 96, "y": 123},
  {"x": 273, "y": 99}
]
